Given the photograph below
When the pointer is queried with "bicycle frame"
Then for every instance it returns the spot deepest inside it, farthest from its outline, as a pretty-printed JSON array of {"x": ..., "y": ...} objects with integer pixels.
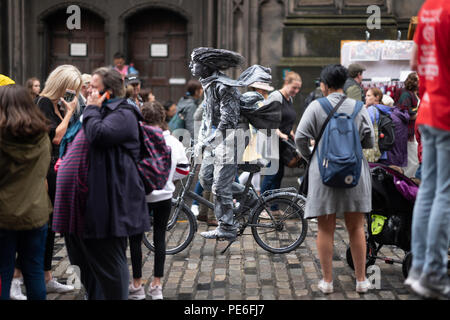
[{"x": 186, "y": 193}]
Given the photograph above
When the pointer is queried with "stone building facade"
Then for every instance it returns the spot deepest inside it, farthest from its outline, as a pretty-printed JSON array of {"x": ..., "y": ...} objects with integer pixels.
[{"x": 299, "y": 35}]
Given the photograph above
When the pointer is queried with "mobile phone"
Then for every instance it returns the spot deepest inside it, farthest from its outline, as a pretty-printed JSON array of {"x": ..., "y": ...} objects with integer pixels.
[
  {"x": 69, "y": 95},
  {"x": 108, "y": 95}
]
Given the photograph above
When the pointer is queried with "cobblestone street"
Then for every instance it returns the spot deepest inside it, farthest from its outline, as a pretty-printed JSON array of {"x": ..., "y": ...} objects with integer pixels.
[
  {"x": 247, "y": 272},
  {"x": 143, "y": 126}
]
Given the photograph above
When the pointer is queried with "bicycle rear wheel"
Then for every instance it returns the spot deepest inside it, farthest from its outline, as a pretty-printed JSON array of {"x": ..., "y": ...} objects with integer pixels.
[
  {"x": 278, "y": 225},
  {"x": 180, "y": 231}
]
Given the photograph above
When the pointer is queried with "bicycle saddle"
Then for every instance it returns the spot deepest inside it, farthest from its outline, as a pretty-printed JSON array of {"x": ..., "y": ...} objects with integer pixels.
[{"x": 252, "y": 168}]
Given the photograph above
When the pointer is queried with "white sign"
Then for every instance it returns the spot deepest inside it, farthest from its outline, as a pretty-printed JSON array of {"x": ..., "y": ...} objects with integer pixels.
[
  {"x": 78, "y": 49},
  {"x": 159, "y": 50},
  {"x": 177, "y": 81}
]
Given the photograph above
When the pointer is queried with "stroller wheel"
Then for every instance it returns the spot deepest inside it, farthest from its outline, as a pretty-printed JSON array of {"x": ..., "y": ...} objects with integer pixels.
[
  {"x": 406, "y": 265},
  {"x": 370, "y": 256}
]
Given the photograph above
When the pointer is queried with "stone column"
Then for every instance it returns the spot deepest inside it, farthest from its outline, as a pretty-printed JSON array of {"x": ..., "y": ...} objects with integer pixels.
[
  {"x": 16, "y": 40},
  {"x": 2, "y": 45},
  {"x": 212, "y": 23}
]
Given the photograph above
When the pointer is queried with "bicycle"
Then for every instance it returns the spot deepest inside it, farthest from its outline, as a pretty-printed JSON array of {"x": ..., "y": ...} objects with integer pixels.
[{"x": 277, "y": 232}]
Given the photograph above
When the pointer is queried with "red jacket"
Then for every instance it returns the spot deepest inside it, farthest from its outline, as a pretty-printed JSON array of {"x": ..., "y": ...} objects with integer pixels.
[{"x": 432, "y": 38}]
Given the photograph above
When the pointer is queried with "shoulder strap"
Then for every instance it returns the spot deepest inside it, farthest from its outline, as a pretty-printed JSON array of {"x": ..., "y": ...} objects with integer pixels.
[
  {"x": 326, "y": 105},
  {"x": 384, "y": 113},
  {"x": 359, "y": 105},
  {"x": 330, "y": 115}
]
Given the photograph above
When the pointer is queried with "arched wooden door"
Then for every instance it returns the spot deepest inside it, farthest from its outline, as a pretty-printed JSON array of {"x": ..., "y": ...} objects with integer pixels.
[
  {"x": 157, "y": 45},
  {"x": 83, "y": 48}
]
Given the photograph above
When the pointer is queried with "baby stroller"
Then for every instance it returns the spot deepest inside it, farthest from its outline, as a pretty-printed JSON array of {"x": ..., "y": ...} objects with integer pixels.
[{"x": 389, "y": 223}]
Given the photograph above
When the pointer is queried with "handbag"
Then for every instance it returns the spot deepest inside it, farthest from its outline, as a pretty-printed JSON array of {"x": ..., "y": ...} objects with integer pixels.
[
  {"x": 251, "y": 153},
  {"x": 289, "y": 155},
  {"x": 303, "y": 189}
]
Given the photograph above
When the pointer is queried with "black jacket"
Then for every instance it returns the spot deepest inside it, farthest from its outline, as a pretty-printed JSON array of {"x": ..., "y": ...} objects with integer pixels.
[{"x": 116, "y": 204}]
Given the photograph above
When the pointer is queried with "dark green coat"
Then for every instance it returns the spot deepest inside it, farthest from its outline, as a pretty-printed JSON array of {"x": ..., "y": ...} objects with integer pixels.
[{"x": 24, "y": 201}]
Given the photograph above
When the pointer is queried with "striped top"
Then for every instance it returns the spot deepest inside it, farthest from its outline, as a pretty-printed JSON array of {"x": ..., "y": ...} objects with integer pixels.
[{"x": 71, "y": 188}]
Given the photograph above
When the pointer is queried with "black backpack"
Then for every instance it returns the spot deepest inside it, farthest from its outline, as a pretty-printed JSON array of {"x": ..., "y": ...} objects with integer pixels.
[
  {"x": 386, "y": 131},
  {"x": 261, "y": 114}
]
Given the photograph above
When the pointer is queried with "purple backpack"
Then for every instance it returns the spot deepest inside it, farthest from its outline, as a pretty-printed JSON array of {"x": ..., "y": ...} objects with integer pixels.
[{"x": 156, "y": 161}]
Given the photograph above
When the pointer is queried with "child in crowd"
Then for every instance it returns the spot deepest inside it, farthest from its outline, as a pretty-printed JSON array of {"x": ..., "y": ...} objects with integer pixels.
[{"x": 160, "y": 204}]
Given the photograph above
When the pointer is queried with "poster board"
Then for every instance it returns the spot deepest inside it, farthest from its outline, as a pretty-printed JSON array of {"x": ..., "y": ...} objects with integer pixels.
[{"x": 382, "y": 59}]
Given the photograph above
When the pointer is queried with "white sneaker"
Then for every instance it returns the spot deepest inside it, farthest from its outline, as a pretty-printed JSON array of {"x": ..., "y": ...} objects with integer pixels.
[
  {"x": 276, "y": 214},
  {"x": 264, "y": 215},
  {"x": 136, "y": 293},
  {"x": 155, "y": 292},
  {"x": 364, "y": 286},
  {"x": 54, "y": 286},
  {"x": 194, "y": 209},
  {"x": 326, "y": 287},
  {"x": 430, "y": 290},
  {"x": 16, "y": 291},
  {"x": 412, "y": 278}
]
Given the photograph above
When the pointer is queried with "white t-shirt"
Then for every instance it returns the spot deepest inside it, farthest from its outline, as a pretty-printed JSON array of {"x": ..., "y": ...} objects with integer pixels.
[{"x": 178, "y": 170}]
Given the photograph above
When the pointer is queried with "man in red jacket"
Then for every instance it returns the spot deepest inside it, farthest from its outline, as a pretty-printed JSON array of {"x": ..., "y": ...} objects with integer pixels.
[{"x": 431, "y": 217}]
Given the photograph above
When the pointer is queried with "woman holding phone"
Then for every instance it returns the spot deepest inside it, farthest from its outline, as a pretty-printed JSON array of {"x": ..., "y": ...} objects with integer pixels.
[{"x": 58, "y": 101}]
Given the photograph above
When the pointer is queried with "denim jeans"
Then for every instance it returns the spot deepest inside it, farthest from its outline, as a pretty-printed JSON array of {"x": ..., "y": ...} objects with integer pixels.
[
  {"x": 198, "y": 190},
  {"x": 30, "y": 246},
  {"x": 273, "y": 182},
  {"x": 419, "y": 172},
  {"x": 431, "y": 217}
]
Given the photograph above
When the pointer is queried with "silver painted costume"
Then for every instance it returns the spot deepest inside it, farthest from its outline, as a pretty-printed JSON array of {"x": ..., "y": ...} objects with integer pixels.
[{"x": 221, "y": 118}]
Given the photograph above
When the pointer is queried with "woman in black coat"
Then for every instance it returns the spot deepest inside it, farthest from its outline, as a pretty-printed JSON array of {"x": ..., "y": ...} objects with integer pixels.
[{"x": 115, "y": 207}]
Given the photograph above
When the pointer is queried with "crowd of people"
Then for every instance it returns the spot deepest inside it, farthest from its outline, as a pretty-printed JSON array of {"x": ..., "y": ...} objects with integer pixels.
[
  {"x": 80, "y": 134},
  {"x": 69, "y": 154}
]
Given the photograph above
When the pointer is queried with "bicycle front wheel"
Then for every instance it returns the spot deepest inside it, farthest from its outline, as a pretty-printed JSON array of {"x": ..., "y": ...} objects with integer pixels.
[
  {"x": 278, "y": 226},
  {"x": 180, "y": 231}
]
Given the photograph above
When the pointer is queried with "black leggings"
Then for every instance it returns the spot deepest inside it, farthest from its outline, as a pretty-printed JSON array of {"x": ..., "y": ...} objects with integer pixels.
[
  {"x": 161, "y": 213},
  {"x": 50, "y": 243}
]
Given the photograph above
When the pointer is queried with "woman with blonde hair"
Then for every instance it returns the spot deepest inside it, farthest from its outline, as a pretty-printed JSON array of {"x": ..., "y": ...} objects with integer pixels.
[
  {"x": 285, "y": 96},
  {"x": 63, "y": 83}
]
